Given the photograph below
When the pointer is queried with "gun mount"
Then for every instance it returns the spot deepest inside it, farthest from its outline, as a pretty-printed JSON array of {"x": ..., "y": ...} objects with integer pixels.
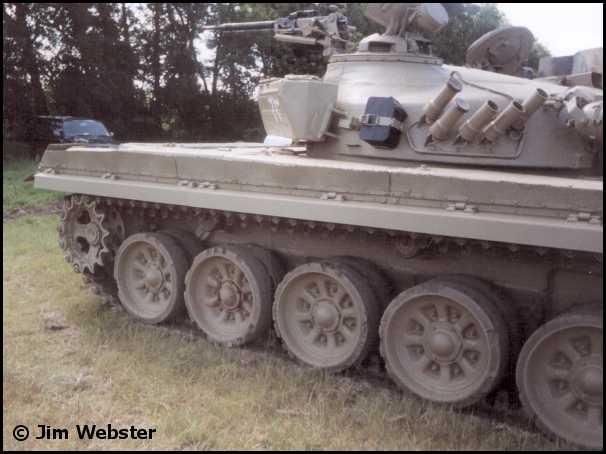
[{"x": 331, "y": 32}]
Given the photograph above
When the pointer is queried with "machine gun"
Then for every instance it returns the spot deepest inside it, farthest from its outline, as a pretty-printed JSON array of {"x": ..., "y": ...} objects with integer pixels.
[{"x": 331, "y": 33}]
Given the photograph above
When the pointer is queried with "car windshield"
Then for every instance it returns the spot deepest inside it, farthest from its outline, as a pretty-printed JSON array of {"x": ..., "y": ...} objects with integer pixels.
[{"x": 72, "y": 128}]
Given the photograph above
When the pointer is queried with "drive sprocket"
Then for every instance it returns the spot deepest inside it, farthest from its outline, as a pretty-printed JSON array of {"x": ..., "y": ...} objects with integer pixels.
[{"x": 88, "y": 234}]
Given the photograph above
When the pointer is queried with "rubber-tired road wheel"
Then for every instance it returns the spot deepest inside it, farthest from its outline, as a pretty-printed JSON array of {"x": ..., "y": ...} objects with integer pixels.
[
  {"x": 326, "y": 315},
  {"x": 560, "y": 377},
  {"x": 445, "y": 342},
  {"x": 150, "y": 271},
  {"x": 271, "y": 261},
  {"x": 228, "y": 295},
  {"x": 503, "y": 305},
  {"x": 189, "y": 242},
  {"x": 378, "y": 281}
]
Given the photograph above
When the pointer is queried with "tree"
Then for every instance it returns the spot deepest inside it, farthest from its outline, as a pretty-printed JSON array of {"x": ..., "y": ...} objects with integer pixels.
[
  {"x": 95, "y": 67},
  {"x": 24, "y": 24},
  {"x": 468, "y": 22},
  {"x": 152, "y": 48}
]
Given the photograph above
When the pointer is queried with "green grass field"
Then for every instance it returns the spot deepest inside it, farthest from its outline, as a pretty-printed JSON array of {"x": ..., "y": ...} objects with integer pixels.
[
  {"x": 17, "y": 193},
  {"x": 69, "y": 359}
]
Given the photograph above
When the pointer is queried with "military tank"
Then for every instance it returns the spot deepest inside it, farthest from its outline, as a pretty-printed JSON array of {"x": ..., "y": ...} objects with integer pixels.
[{"x": 449, "y": 218}]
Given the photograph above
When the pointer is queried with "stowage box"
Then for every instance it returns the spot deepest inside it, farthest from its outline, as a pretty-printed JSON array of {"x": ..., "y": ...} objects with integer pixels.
[{"x": 382, "y": 122}]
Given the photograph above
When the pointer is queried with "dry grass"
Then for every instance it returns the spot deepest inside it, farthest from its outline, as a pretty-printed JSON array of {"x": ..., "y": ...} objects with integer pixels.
[{"x": 70, "y": 360}]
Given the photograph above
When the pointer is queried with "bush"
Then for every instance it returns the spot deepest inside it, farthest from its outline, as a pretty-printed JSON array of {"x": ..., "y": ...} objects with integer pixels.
[{"x": 13, "y": 150}]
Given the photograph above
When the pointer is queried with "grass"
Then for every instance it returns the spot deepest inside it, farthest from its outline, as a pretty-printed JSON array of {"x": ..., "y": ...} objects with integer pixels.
[
  {"x": 17, "y": 193},
  {"x": 103, "y": 367}
]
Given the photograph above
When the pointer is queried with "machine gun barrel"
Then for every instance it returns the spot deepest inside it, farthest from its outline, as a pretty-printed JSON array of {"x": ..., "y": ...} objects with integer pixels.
[
  {"x": 242, "y": 26},
  {"x": 331, "y": 32}
]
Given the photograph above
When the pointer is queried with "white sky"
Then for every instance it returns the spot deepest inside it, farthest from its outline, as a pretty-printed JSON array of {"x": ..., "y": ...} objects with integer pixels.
[{"x": 565, "y": 28}]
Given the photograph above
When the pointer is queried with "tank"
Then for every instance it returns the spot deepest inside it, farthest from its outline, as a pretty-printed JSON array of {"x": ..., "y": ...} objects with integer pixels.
[{"x": 447, "y": 218}]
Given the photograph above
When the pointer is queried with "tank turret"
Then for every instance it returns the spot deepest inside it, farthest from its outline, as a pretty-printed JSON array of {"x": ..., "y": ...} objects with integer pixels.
[{"x": 507, "y": 121}]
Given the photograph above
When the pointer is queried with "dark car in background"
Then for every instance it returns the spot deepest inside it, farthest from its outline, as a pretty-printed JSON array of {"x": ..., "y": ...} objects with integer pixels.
[{"x": 67, "y": 129}]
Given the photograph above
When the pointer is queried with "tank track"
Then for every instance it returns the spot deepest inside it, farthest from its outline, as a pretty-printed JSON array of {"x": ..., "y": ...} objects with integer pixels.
[{"x": 408, "y": 244}]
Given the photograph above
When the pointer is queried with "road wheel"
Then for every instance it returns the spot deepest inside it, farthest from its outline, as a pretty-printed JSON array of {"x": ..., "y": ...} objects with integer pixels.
[
  {"x": 228, "y": 295},
  {"x": 150, "y": 271},
  {"x": 272, "y": 263},
  {"x": 379, "y": 282},
  {"x": 326, "y": 315},
  {"x": 503, "y": 305},
  {"x": 189, "y": 242},
  {"x": 445, "y": 342},
  {"x": 560, "y": 377}
]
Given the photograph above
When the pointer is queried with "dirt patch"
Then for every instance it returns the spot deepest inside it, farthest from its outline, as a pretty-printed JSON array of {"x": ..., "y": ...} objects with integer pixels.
[{"x": 53, "y": 321}]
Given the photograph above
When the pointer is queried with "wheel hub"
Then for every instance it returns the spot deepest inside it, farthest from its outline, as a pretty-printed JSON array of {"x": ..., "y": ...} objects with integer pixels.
[
  {"x": 591, "y": 381},
  {"x": 588, "y": 383},
  {"x": 154, "y": 278},
  {"x": 229, "y": 295},
  {"x": 443, "y": 344},
  {"x": 92, "y": 234},
  {"x": 326, "y": 315}
]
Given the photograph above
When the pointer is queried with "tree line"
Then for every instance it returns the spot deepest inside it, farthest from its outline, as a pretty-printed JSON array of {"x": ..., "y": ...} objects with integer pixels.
[{"x": 149, "y": 73}]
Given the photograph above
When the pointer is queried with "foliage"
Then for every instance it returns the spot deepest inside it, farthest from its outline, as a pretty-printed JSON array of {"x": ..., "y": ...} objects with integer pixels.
[
  {"x": 468, "y": 22},
  {"x": 24, "y": 25}
]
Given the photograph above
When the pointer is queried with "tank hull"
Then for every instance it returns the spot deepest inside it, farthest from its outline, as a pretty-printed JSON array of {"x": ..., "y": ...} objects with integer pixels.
[{"x": 486, "y": 205}]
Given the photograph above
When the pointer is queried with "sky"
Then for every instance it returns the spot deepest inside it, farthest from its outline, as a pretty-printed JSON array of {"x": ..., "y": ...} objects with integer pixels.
[{"x": 564, "y": 28}]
